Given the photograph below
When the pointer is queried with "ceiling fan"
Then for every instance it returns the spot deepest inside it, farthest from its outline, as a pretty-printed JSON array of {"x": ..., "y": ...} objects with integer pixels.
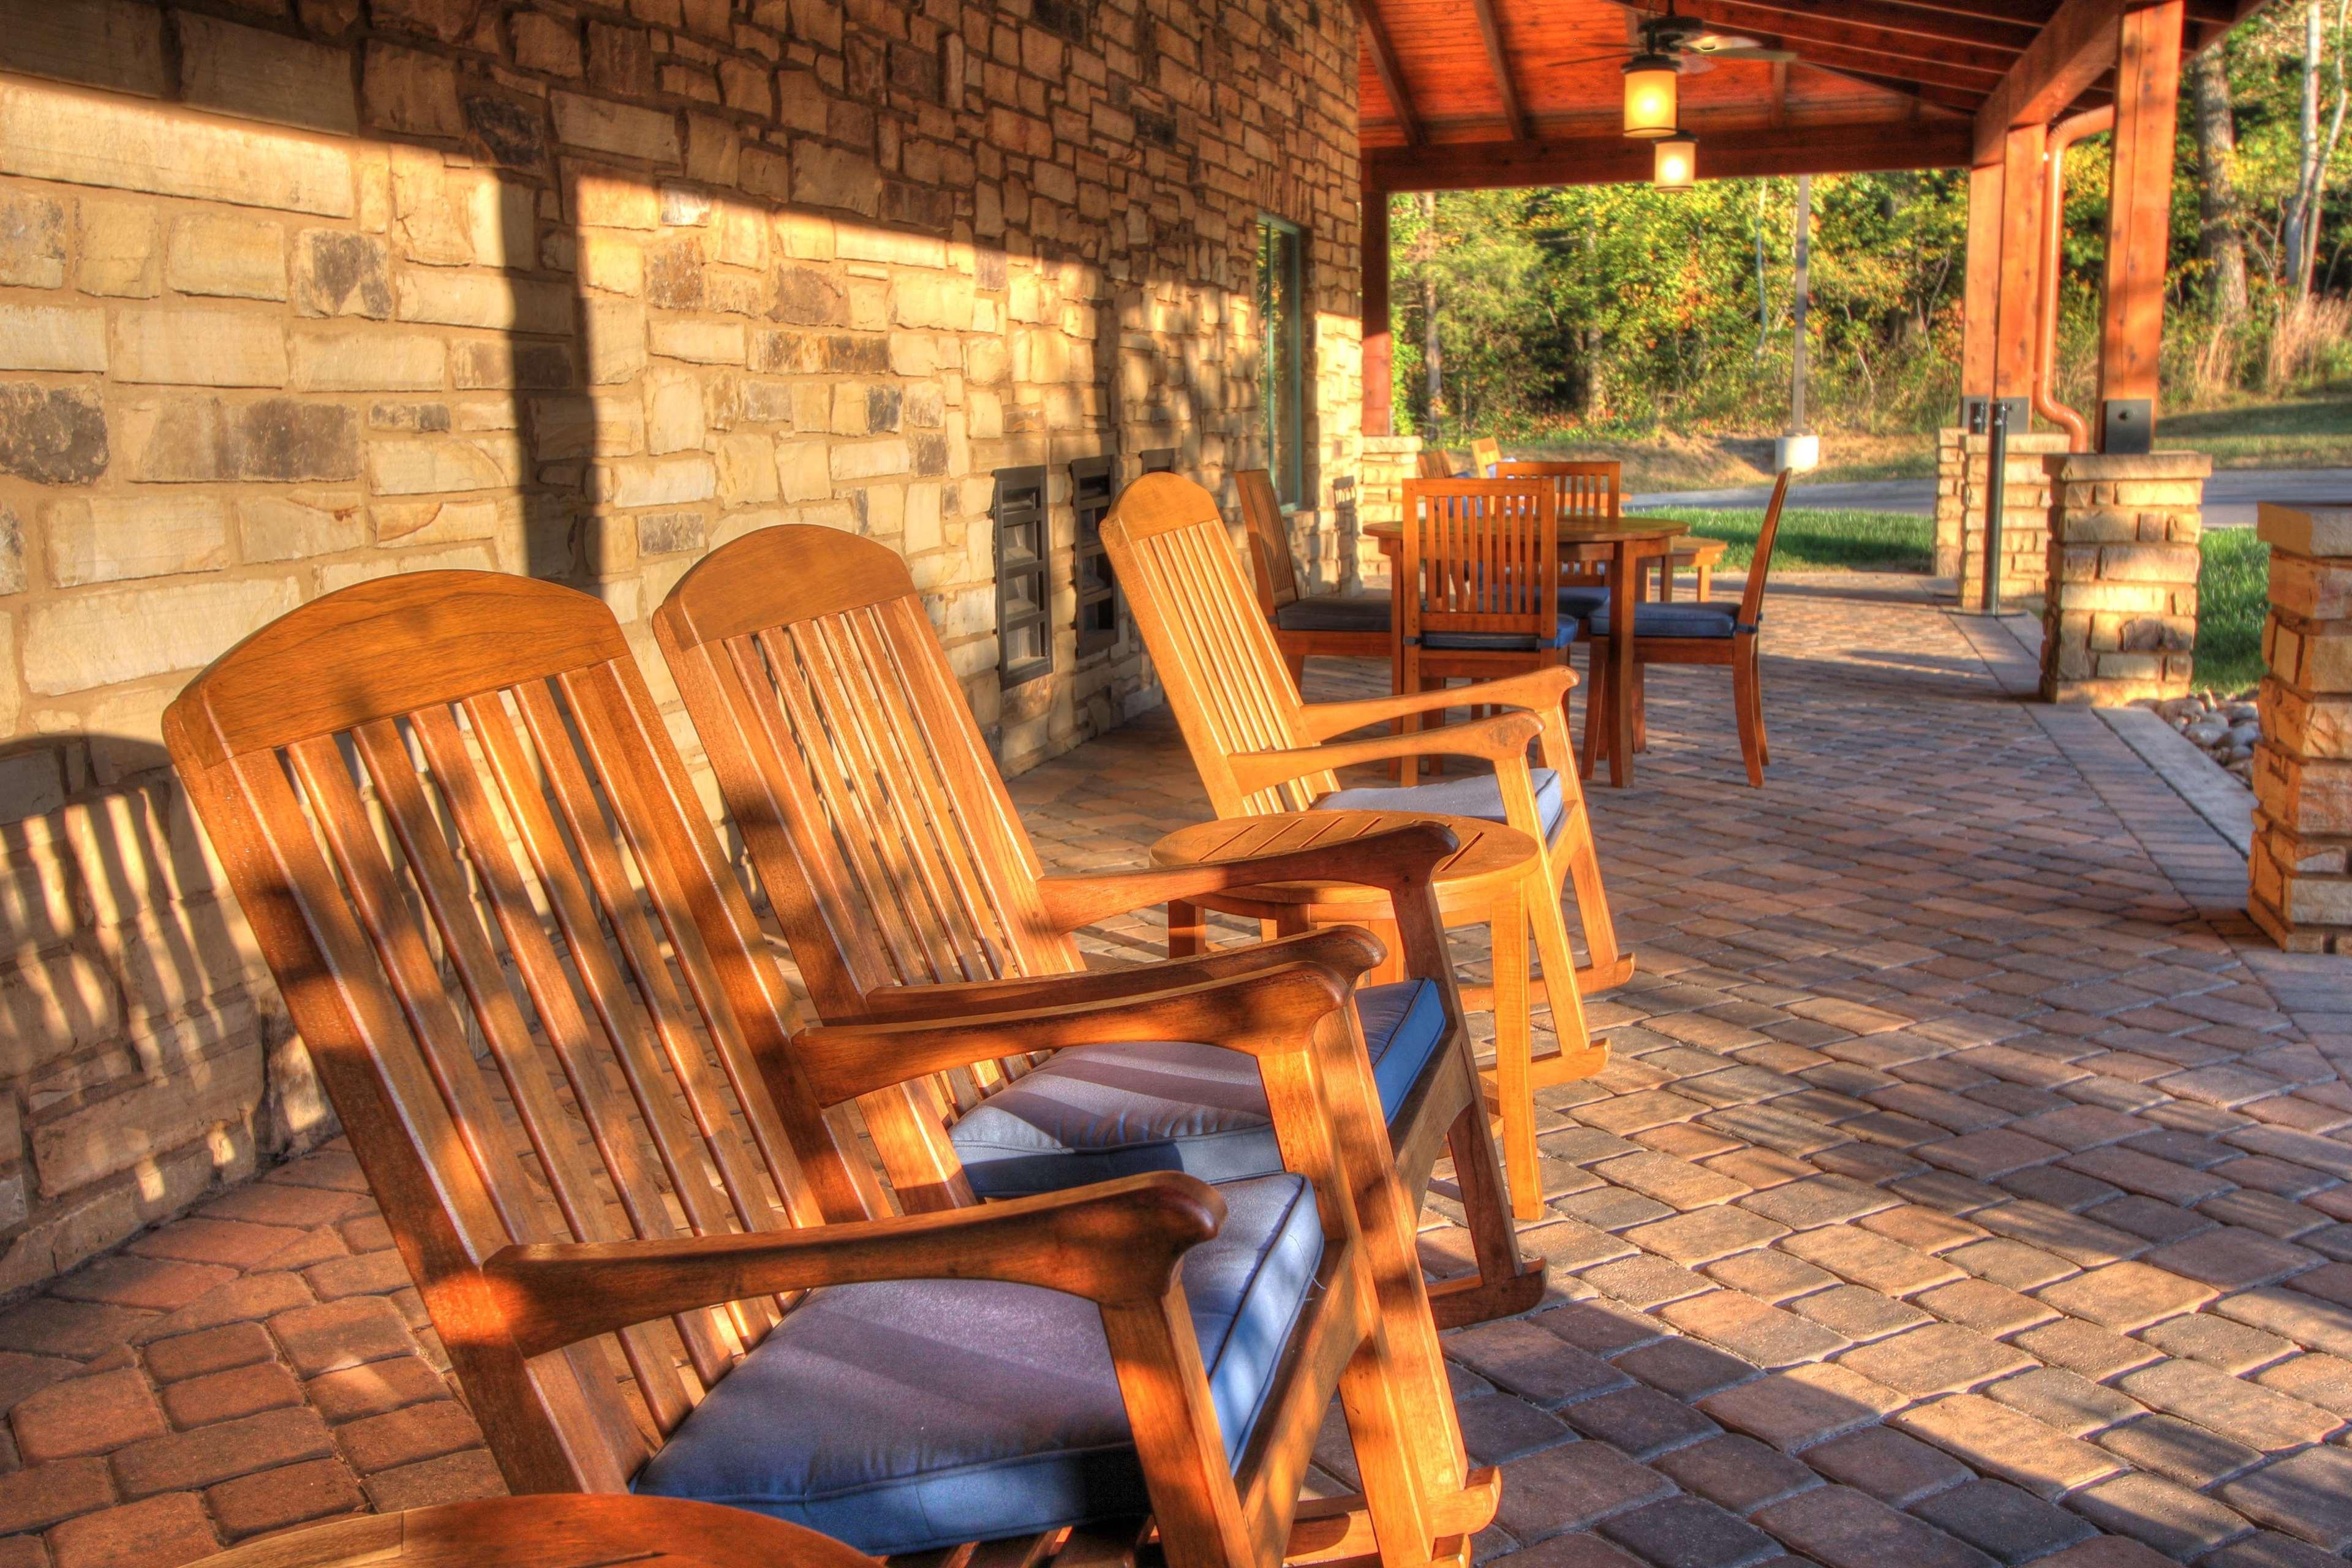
[{"x": 1686, "y": 44}]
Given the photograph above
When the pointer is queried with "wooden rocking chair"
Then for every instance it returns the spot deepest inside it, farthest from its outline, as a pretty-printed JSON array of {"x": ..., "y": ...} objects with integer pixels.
[
  {"x": 1260, "y": 750},
  {"x": 1486, "y": 458},
  {"x": 548, "y": 1018},
  {"x": 1330, "y": 626},
  {"x": 906, "y": 884}
]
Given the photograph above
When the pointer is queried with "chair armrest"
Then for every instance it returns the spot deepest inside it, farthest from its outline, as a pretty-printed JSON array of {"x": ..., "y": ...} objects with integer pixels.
[
  {"x": 1115, "y": 1243},
  {"x": 1344, "y": 947},
  {"x": 1266, "y": 1014},
  {"x": 1393, "y": 859},
  {"x": 1534, "y": 688},
  {"x": 1503, "y": 736}
]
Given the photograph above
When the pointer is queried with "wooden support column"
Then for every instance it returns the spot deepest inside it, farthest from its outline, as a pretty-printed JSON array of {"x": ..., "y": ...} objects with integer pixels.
[
  {"x": 1379, "y": 417},
  {"x": 2140, "y": 225},
  {"x": 2018, "y": 313},
  {"x": 1980, "y": 291}
]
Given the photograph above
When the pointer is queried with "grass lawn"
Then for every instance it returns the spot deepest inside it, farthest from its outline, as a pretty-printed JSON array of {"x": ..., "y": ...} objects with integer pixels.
[{"x": 2232, "y": 588}]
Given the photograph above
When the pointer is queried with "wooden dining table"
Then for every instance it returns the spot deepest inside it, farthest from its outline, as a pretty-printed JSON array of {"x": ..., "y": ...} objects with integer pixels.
[{"x": 1626, "y": 547}]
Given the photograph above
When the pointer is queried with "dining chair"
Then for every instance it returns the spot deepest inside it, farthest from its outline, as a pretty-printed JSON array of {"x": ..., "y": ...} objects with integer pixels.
[
  {"x": 1435, "y": 463},
  {"x": 880, "y": 830},
  {"x": 1262, "y": 751},
  {"x": 1704, "y": 632},
  {"x": 1479, "y": 585},
  {"x": 1486, "y": 454},
  {"x": 1334, "y": 625},
  {"x": 633, "y": 1199}
]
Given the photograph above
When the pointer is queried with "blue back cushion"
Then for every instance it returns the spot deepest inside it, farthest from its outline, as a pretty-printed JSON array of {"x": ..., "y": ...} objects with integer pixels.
[
  {"x": 1099, "y": 1111},
  {"x": 915, "y": 1415}
]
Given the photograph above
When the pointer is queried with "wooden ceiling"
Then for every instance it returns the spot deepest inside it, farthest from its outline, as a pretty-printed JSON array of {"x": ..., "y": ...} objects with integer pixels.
[{"x": 1505, "y": 92}]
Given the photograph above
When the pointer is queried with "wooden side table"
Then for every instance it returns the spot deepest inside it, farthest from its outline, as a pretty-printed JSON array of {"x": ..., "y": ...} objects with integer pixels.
[
  {"x": 551, "y": 1530},
  {"x": 1490, "y": 878}
]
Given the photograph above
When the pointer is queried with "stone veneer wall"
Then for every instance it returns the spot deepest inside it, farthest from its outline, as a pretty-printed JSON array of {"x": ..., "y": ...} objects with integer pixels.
[
  {"x": 1950, "y": 466},
  {"x": 298, "y": 293},
  {"x": 2299, "y": 869},
  {"x": 2120, "y": 616},
  {"x": 2025, "y": 515},
  {"x": 1388, "y": 462}
]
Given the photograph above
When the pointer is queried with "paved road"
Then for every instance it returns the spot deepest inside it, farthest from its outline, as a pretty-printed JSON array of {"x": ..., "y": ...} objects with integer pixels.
[{"x": 2230, "y": 495}]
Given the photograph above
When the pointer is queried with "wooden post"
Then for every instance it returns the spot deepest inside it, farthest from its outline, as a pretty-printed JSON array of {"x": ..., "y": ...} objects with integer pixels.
[
  {"x": 2018, "y": 316},
  {"x": 1980, "y": 293},
  {"x": 2140, "y": 225},
  {"x": 1378, "y": 355}
]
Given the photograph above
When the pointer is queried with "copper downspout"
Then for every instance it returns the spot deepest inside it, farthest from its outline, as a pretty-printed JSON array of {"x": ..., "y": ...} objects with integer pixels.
[{"x": 2062, "y": 136}]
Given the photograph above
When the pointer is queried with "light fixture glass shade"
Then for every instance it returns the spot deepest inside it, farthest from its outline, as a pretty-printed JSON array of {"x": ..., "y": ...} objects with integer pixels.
[
  {"x": 1649, "y": 96},
  {"x": 1676, "y": 164}
]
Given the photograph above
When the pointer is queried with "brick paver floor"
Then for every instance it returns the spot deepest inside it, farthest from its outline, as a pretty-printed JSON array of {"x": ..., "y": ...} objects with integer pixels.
[{"x": 1967, "y": 1188}]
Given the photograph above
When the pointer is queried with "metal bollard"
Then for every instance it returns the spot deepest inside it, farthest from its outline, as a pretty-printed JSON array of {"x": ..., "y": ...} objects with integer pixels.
[{"x": 1996, "y": 485}]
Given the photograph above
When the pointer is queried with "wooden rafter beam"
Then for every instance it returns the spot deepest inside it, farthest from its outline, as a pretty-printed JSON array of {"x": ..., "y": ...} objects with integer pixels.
[
  {"x": 1515, "y": 114},
  {"x": 1613, "y": 159},
  {"x": 1974, "y": 80},
  {"x": 2074, "y": 51},
  {"x": 1886, "y": 17},
  {"x": 1806, "y": 33},
  {"x": 1385, "y": 65}
]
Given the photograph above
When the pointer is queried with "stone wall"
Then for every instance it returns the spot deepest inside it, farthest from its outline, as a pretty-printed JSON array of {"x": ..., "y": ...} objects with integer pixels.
[
  {"x": 2025, "y": 515},
  {"x": 1389, "y": 461},
  {"x": 2300, "y": 871},
  {"x": 293, "y": 295},
  {"x": 1950, "y": 466},
  {"x": 2120, "y": 616}
]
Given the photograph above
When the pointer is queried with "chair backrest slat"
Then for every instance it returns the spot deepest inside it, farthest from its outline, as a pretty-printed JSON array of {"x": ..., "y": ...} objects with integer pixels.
[
  {"x": 1751, "y": 596},
  {"x": 1486, "y": 454},
  {"x": 1435, "y": 463},
  {"x": 1481, "y": 556},
  {"x": 1588, "y": 492},
  {"x": 1215, "y": 653},
  {"x": 504, "y": 929},
  {"x": 1277, "y": 579}
]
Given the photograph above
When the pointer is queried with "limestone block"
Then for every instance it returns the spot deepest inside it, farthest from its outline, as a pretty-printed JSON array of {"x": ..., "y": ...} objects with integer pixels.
[
  {"x": 433, "y": 219},
  {"x": 615, "y": 263},
  {"x": 803, "y": 471},
  {"x": 610, "y": 198},
  {"x": 100, "y": 638},
  {"x": 393, "y": 562},
  {"x": 31, "y": 240},
  {"x": 747, "y": 470},
  {"x": 191, "y": 440},
  {"x": 119, "y": 252},
  {"x": 52, "y": 337},
  {"x": 657, "y": 481},
  {"x": 670, "y": 532},
  {"x": 104, "y": 43},
  {"x": 434, "y": 465},
  {"x": 296, "y": 527},
  {"x": 411, "y": 91},
  {"x": 2146, "y": 562},
  {"x": 674, "y": 411},
  {"x": 478, "y": 364},
  {"x": 105, "y": 539},
  {"x": 48, "y": 134},
  {"x": 54, "y": 435},
  {"x": 703, "y": 342},
  {"x": 258, "y": 75},
  {"x": 243, "y": 258},
  {"x": 2312, "y": 589},
  {"x": 545, "y": 43},
  {"x": 615, "y": 332},
  {"x": 181, "y": 346},
  {"x": 444, "y": 522},
  {"x": 825, "y": 176},
  {"x": 11, "y": 550},
  {"x": 855, "y": 460},
  {"x": 2314, "y": 656},
  {"x": 602, "y": 125},
  {"x": 2306, "y": 531},
  {"x": 587, "y": 426},
  {"x": 329, "y": 359},
  {"x": 2314, "y": 794},
  {"x": 483, "y": 300},
  {"x": 2306, "y": 725}
]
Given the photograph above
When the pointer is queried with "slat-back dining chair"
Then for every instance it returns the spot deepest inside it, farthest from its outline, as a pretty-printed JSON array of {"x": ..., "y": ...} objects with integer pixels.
[
  {"x": 543, "y": 1007},
  {"x": 1333, "y": 626},
  {"x": 1478, "y": 584},
  {"x": 1435, "y": 463},
  {"x": 1262, "y": 751},
  {"x": 1703, "y": 633},
  {"x": 1485, "y": 455},
  {"x": 906, "y": 884}
]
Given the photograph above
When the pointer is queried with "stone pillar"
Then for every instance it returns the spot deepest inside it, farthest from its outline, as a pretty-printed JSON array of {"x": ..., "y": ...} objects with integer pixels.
[
  {"x": 1389, "y": 461},
  {"x": 1950, "y": 465},
  {"x": 2024, "y": 514},
  {"x": 2300, "y": 872},
  {"x": 2120, "y": 614}
]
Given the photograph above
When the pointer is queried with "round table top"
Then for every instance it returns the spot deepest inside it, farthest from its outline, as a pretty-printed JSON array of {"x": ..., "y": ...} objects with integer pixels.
[
  {"x": 550, "y": 1530},
  {"x": 1491, "y": 855}
]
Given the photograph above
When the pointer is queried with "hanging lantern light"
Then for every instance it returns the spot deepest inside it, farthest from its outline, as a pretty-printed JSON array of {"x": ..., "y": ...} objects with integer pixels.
[
  {"x": 1650, "y": 95},
  {"x": 1676, "y": 164}
]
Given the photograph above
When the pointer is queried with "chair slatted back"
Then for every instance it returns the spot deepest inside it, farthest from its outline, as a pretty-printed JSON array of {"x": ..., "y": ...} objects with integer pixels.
[
  {"x": 875, "y": 818},
  {"x": 504, "y": 928},
  {"x": 1486, "y": 458},
  {"x": 1435, "y": 463},
  {"x": 1277, "y": 580},
  {"x": 1751, "y": 596},
  {"x": 1588, "y": 492},
  {"x": 1209, "y": 643},
  {"x": 1481, "y": 556}
]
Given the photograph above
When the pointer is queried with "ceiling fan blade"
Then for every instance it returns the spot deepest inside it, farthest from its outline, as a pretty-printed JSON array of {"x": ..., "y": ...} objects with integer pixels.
[
  {"x": 1714, "y": 43},
  {"x": 1754, "y": 53}
]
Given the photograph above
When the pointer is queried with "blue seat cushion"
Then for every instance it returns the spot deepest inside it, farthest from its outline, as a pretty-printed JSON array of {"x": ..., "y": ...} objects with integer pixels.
[
  {"x": 1334, "y": 613},
  {"x": 1098, "y": 1111},
  {"x": 920, "y": 1413},
  {"x": 1583, "y": 601},
  {"x": 1655, "y": 620},
  {"x": 1500, "y": 642},
  {"x": 1476, "y": 796}
]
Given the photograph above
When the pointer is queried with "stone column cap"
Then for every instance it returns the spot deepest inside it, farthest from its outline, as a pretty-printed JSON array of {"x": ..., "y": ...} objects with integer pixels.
[
  {"x": 2306, "y": 529},
  {"x": 2095, "y": 467}
]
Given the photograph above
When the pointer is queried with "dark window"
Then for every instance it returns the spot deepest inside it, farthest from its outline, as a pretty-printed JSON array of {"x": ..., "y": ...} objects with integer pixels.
[
  {"x": 1091, "y": 483},
  {"x": 1281, "y": 382},
  {"x": 1160, "y": 461},
  {"x": 1024, "y": 639}
]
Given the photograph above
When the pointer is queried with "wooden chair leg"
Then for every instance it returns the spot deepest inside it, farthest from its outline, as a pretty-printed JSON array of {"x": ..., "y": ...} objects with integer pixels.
[
  {"x": 1641, "y": 706},
  {"x": 1763, "y": 731},
  {"x": 1296, "y": 663},
  {"x": 1187, "y": 930},
  {"x": 1596, "y": 706},
  {"x": 1507, "y": 1283},
  {"x": 1577, "y": 1055},
  {"x": 1747, "y": 703},
  {"x": 1514, "y": 1086},
  {"x": 1409, "y": 680},
  {"x": 1706, "y": 584}
]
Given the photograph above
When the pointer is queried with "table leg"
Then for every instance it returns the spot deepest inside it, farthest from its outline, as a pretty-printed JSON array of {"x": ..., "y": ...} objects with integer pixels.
[
  {"x": 1622, "y": 598},
  {"x": 1187, "y": 930}
]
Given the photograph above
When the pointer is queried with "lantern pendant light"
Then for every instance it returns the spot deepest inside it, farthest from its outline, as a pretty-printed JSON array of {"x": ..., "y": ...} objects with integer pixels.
[
  {"x": 1675, "y": 161},
  {"x": 1650, "y": 109}
]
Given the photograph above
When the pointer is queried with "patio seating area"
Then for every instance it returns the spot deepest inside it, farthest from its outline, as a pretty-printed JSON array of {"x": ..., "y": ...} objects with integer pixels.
[{"x": 1962, "y": 1188}]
